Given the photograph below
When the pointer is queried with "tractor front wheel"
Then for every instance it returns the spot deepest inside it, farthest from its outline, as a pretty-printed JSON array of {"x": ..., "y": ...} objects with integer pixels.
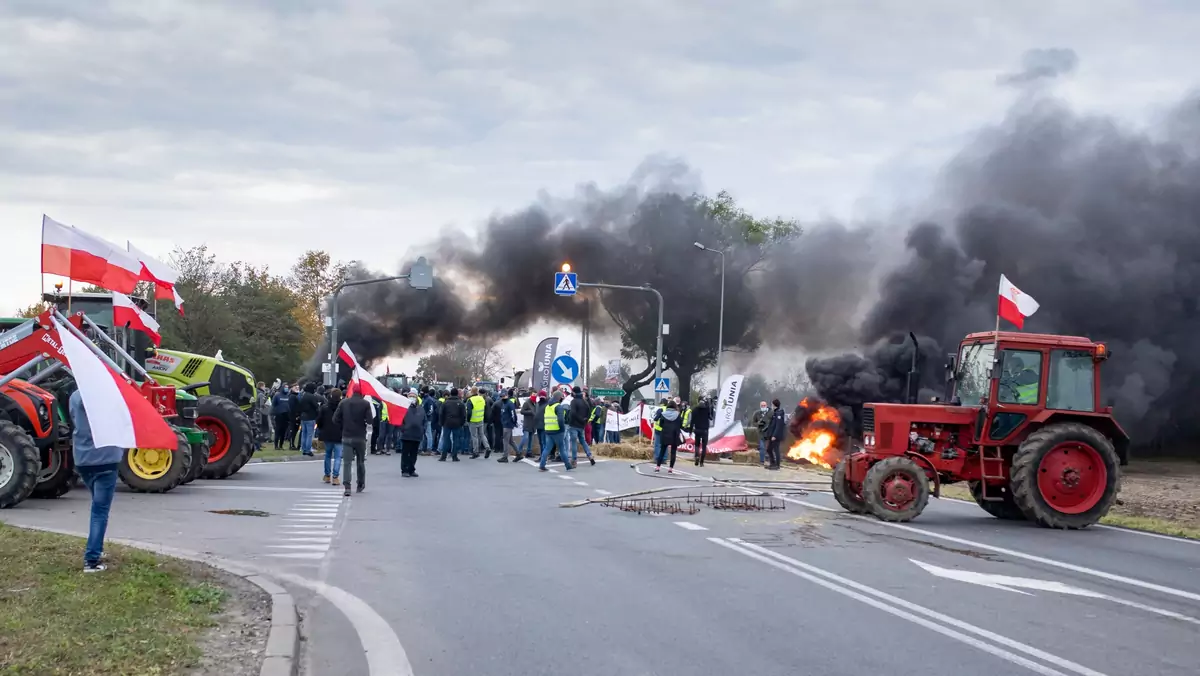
[
  {"x": 844, "y": 493},
  {"x": 156, "y": 470},
  {"x": 1004, "y": 508},
  {"x": 231, "y": 440},
  {"x": 1065, "y": 475},
  {"x": 19, "y": 464},
  {"x": 896, "y": 489}
]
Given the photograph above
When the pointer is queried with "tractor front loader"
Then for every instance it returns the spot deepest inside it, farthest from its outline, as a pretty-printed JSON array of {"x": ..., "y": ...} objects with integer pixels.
[
  {"x": 26, "y": 347},
  {"x": 1024, "y": 427}
]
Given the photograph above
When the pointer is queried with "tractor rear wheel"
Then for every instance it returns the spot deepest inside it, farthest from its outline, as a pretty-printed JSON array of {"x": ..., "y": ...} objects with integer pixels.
[
  {"x": 19, "y": 464},
  {"x": 896, "y": 489},
  {"x": 156, "y": 470},
  {"x": 1065, "y": 475},
  {"x": 231, "y": 438},
  {"x": 199, "y": 462},
  {"x": 844, "y": 493},
  {"x": 54, "y": 481},
  {"x": 1004, "y": 508}
]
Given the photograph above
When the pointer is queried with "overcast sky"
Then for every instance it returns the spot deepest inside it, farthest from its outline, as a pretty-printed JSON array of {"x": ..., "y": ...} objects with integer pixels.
[{"x": 264, "y": 128}]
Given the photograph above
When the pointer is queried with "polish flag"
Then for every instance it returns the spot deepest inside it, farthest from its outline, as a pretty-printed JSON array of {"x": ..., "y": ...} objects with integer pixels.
[
  {"x": 163, "y": 276},
  {"x": 126, "y": 313},
  {"x": 74, "y": 254},
  {"x": 119, "y": 415},
  {"x": 397, "y": 404},
  {"x": 1015, "y": 305}
]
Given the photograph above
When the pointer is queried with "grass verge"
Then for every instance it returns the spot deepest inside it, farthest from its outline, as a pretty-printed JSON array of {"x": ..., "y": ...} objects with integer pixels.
[
  {"x": 143, "y": 615},
  {"x": 272, "y": 455}
]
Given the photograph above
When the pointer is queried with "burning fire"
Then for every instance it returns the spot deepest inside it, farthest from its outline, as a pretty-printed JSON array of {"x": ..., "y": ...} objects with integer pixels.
[{"x": 818, "y": 431}]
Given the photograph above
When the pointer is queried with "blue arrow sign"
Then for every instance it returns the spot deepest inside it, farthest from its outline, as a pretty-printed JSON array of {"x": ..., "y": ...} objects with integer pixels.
[
  {"x": 564, "y": 369},
  {"x": 565, "y": 283},
  {"x": 662, "y": 385}
]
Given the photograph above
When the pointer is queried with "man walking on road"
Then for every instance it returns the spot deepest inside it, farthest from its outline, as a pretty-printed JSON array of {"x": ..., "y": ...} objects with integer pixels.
[
  {"x": 453, "y": 417},
  {"x": 775, "y": 431},
  {"x": 699, "y": 419},
  {"x": 98, "y": 469},
  {"x": 508, "y": 423},
  {"x": 355, "y": 417},
  {"x": 554, "y": 421},
  {"x": 310, "y": 408},
  {"x": 577, "y": 420},
  {"x": 477, "y": 411},
  {"x": 412, "y": 430},
  {"x": 330, "y": 434},
  {"x": 528, "y": 425},
  {"x": 282, "y": 410}
]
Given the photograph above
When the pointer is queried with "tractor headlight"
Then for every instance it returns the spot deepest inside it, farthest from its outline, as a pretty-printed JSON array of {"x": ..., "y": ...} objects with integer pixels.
[{"x": 869, "y": 440}]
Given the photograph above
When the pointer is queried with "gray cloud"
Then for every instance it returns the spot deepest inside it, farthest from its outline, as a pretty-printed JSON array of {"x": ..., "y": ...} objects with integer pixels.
[{"x": 1042, "y": 64}]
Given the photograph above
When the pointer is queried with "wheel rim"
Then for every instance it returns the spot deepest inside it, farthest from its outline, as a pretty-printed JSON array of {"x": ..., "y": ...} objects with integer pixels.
[
  {"x": 219, "y": 437},
  {"x": 1072, "y": 477},
  {"x": 898, "y": 491},
  {"x": 7, "y": 466},
  {"x": 150, "y": 463},
  {"x": 51, "y": 467}
]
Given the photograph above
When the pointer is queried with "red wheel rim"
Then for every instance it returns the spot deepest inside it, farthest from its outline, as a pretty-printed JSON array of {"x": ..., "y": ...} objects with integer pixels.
[
  {"x": 1072, "y": 477},
  {"x": 219, "y": 433},
  {"x": 898, "y": 491}
]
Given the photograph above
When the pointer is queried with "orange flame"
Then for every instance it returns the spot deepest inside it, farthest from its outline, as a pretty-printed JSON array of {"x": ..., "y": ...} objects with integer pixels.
[{"x": 816, "y": 442}]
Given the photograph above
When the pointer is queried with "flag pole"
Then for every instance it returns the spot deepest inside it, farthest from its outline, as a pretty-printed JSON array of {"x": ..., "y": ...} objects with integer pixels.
[{"x": 70, "y": 292}]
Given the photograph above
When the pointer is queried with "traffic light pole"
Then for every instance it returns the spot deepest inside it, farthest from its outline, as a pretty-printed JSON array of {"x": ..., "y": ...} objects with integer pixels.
[{"x": 646, "y": 287}]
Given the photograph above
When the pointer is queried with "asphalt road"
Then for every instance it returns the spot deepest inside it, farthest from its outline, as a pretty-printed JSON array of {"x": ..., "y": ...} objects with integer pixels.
[{"x": 474, "y": 569}]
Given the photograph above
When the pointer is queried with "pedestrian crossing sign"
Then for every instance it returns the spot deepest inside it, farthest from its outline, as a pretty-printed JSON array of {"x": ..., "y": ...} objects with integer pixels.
[
  {"x": 662, "y": 385},
  {"x": 565, "y": 283}
]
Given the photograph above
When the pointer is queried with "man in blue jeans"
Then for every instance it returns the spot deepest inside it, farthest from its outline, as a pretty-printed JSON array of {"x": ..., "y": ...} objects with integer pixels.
[
  {"x": 554, "y": 421},
  {"x": 98, "y": 469},
  {"x": 577, "y": 420}
]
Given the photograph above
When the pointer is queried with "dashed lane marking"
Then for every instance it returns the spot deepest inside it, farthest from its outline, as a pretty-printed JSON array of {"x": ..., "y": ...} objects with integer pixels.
[{"x": 688, "y": 525}]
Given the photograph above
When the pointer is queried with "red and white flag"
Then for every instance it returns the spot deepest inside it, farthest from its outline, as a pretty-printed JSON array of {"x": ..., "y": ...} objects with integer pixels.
[
  {"x": 74, "y": 254},
  {"x": 1015, "y": 305},
  {"x": 163, "y": 276},
  {"x": 126, "y": 313},
  {"x": 119, "y": 415},
  {"x": 397, "y": 404}
]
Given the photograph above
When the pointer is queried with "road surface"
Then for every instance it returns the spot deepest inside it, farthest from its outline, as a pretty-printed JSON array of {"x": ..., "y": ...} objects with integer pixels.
[{"x": 473, "y": 568}]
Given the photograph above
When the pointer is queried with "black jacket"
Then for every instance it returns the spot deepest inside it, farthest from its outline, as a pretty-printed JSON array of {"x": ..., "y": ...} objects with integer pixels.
[
  {"x": 354, "y": 416},
  {"x": 496, "y": 412},
  {"x": 778, "y": 425},
  {"x": 701, "y": 418},
  {"x": 413, "y": 427},
  {"x": 539, "y": 415},
  {"x": 310, "y": 405},
  {"x": 327, "y": 430},
  {"x": 528, "y": 410},
  {"x": 580, "y": 412},
  {"x": 294, "y": 406},
  {"x": 454, "y": 413}
]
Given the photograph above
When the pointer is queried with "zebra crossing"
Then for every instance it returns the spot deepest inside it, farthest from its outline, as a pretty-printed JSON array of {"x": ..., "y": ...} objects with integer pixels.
[{"x": 308, "y": 528}]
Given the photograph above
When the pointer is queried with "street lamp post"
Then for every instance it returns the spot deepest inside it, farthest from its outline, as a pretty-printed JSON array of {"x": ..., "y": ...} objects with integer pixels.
[
  {"x": 721, "y": 320},
  {"x": 420, "y": 276}
]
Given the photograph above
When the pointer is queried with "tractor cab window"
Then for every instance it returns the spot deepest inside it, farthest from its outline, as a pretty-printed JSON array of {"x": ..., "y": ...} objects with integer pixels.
[
  {"x": 1020, "y": 377},
  {"x": 974, "y": 372},
  {"x": 1072, "y": 378}
]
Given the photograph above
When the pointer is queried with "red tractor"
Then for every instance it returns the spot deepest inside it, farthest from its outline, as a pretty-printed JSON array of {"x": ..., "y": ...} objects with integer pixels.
[{"x": 1024, "y": 428}]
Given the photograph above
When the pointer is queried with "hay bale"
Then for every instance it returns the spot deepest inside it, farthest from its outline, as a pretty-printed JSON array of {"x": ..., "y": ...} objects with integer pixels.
[{"x": 624, "y": 450}]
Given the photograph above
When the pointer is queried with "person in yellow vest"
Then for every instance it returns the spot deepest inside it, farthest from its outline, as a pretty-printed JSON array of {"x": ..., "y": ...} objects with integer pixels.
[
  {"x": 477, "y": 423},
  {"x": 554, "y": 423}
]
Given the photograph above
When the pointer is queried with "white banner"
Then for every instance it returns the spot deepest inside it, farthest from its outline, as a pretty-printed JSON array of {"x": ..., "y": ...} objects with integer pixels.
[
  {"x": 727, "y": 400},
  {"x": 612, "y": 372},
  {"x": 622, "y": 421}
]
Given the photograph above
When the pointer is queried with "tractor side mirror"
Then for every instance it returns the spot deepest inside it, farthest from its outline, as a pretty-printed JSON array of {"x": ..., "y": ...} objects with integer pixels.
[
  {"x": 951, "y": 371},
  {"x": 996, "y": 370}
]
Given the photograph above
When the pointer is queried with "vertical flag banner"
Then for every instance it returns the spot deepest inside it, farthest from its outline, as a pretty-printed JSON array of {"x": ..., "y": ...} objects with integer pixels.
[{"x": 543, "y": 358}]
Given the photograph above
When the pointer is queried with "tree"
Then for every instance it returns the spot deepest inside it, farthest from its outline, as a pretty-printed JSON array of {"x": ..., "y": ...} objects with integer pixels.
[
  {"x": 313, "y": 278},
  {"x": 690, "y": 282},
  {"x": 462, "y": 363},
  {"x": 34, "y": 310}
]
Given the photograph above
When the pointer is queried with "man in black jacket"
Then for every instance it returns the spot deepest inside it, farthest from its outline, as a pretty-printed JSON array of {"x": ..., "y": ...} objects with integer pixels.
[
  {"x": 699, "y": 419},
  {"x": 411, "y": 431},
  {"x": 528, "y": 424},
  {"x": 355, "y": 417},
  {"x": 775, "y": 431},
  {"x": 453, "y": 417},
  {"x": 577, "y": 420},
  {"x": 293, "y": 434},
  {"x": 310, "y": 408},
  {"x": 330, "y": 434}
]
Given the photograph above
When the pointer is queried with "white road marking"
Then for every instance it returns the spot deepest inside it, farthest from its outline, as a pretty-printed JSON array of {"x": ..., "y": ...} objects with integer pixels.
[
  {"x": 281, "y": 489},
  {"x": 581, "y": 483},
  {"x": 269, "y": 463},
  {"x": 312, "y": 511},
  {"x": 325, "y": 533},
  {"x": 601, "y": 491},
  {"x": 1160, "y": 536},
  {"x": 564, "y": 476},
  {"x": 299, "y": 519},
  {"x": 296, "y": 555},
  {"x": 311, "y": 548},
  {"x": 305, "y": 539},
  {"x": 688, "y": 525},
  {"x": 863, "y": 593}
]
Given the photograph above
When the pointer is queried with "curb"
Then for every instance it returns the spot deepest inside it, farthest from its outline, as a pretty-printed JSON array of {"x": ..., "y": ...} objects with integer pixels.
[{"x": 282, "y": 654}]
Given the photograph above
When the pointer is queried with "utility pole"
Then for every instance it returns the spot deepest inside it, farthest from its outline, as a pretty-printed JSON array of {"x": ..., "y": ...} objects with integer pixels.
[{"x": 721, "y": 320}]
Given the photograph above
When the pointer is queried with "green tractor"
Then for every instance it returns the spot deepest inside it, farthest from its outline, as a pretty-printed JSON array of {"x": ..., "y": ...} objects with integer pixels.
[{"x": 225, "y": 408}]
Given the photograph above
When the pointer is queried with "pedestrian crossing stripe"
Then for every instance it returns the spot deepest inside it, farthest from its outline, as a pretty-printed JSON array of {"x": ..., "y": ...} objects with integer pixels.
[{"x": 565, "y": 286}]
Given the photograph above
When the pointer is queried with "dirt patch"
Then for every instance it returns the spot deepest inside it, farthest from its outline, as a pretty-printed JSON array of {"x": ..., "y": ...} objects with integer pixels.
[
  {"x": 1163, "y": 490},
  {"x": 235, "y": 645}
]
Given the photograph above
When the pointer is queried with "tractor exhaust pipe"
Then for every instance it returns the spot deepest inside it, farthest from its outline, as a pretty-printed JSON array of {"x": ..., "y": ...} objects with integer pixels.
[{"x": 914, "y": 376}]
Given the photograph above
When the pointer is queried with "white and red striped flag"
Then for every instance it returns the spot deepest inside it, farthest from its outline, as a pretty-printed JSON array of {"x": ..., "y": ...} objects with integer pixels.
[
  {"x": 164, "y": 276},
  {"x": 126, "y": 313},
  {"x": 1015, "y": 305},
  {"x": 119, "y": 415},
  {"x": 397, "y": 405},
  {"x": 74, "y": 254}
]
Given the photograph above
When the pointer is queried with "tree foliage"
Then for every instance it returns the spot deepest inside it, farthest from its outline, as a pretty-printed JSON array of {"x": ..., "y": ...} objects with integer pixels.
[
  {"x": 31, "y": 311},
  {"x": 312, "y": 279},
  {"x": 462, "y": 363}
]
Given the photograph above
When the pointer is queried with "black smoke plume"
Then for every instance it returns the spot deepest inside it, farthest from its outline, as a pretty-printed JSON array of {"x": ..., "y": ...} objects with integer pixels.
[{"x": 1097, "y": 221}]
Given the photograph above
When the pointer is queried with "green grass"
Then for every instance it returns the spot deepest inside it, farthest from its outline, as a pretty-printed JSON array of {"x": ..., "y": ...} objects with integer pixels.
[
  {"x": 272, "y": 455},
  {"x": 142, "y": 616},
  {"x": 1152, "y": 525}
]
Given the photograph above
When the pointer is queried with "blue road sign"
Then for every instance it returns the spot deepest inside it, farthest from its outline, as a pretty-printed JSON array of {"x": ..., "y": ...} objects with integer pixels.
[
  {"x": 662, "y": 385},
  {"x": 565, "y": 283},
  {"x": 564, "y": 369}
]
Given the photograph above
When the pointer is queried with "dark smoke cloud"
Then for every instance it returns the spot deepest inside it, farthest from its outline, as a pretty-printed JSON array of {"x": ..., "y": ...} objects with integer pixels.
[
  {"x": 1100, "y": 223},
  {"x": 1042, "y": 64}
]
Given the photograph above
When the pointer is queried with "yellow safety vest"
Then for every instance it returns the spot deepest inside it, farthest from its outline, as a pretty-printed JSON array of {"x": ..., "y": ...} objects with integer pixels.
[
  {"x": 658, "y": 422},
  {"x": 477, "y": 405},
  {"x": 441, "y": 400},
  {"x": 383, "y": 414},
  {"x": 687, "y": 418},
  {"x": 550, "y": 420}
]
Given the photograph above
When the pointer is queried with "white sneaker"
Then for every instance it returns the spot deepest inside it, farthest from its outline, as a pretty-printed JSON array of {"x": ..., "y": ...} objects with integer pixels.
[
  {"x": 657, "y": 468},
  {"x": 99, "y": 567},
  {"x": 670, "y": 471}
]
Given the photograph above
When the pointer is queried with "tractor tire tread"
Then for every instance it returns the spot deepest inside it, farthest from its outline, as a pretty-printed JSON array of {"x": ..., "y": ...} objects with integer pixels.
[
  {"x": 58, "y": 485},
  {"x": 1005, "y": 509},
  {"x": 1024, "y": 484},
  {"x": 29, "y": 464},
  {"x": 872, "y": 484},
  {"x": 841, "y": 491},
  {"x": 239, "y": 427}
]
